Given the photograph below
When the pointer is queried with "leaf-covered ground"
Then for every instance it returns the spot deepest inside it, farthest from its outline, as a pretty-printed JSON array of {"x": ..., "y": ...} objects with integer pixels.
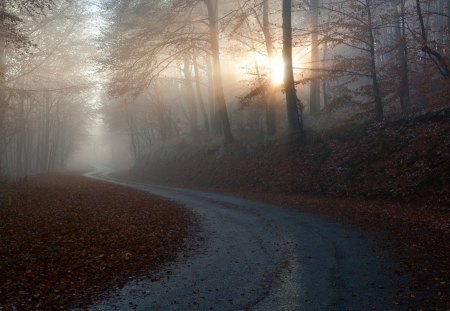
[
  {"x": 405, "y": 161},
  {"x": 391, "y": 179},
  {"x": 65, "y": 239}
]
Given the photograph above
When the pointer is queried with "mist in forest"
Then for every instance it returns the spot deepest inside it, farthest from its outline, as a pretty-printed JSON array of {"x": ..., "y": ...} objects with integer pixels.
[{"x": 88, "y": 83}]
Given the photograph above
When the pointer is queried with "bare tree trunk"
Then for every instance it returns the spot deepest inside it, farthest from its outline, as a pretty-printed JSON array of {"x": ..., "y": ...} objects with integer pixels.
[
  {"x": 294, "y": 119},
  {"x": 200, "y": 97},
  {"x": 271, "y": 121},
  {"x": 448, "y": 26},
  {"x": 373, "y": 68},
  {"x": 216, "y": 129},
  {"x": 435, "y": 56},
  {"x": 3, "y": 106},
  {"x": 2, "y": 136},
  {"x": 405, "y": 100},
  {"x": 39, "y": 135},
  {"x": 164, "y": 130},
  {"x": 217, "y": 75},
  {"x": 192, "y": 107},
  {"x": 20, "y": 137},
  {"x": 167, "y": 127},
  {"x": 440, "y": 28},
  {"x": 29, "y": 152},
  {"x": 46, "y": 141},
  {"x": 45, "y": 138},
  {"x": 314, "y": 97},
  {"x": 55, "y": 129},
  {"x": 133, "y": 136},
  {"x": 324, "y": 81},
  {"x": 2, "y": 131},
  {"x": 57, "y": 137}
]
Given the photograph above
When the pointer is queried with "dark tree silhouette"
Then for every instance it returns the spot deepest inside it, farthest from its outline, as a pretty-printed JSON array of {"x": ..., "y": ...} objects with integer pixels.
[{"x": 294, "y": 118}]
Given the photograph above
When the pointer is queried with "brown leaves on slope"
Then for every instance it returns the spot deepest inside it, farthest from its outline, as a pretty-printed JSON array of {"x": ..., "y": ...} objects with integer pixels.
[
  {"x": 65, "y": 239},
  {"x": 407, "y": 161}
]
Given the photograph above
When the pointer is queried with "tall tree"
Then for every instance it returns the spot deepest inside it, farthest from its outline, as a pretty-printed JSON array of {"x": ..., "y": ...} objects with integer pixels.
[
  {"x": 353, "y": 30},
  {"x": 200, "y": 100},
  {"x": 293, "y": 116},
  {"x": 405, "y": 101},
  {"x": 212, "y": 7},
  {"x": 190, "y": 97},
  {"x": 270, "y": 92},
  {"x": 314, "y": 97},
  {"x": 379, "y": 114},
  {"x": 3, "y": 101},
  {"x": 439, "y": 60}
]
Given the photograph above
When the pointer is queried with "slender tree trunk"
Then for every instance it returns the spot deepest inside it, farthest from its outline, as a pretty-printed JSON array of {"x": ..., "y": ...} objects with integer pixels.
[
  {"x": 405, "y": 100},
  {"x": 28, "y": 140},
  {"x": 3, "y": 106},
  {"x": 133, "y": 136},
  {"x": 165, "y": 123},
  {"x": 217, "y": 74},
  {"x": 436, "y": 57},
  {"x": 2, "y": 131},
  {"x": 440, "y": 21},
  {"x": 294, "y": 119},
  {"x": 373, "y": 68},
  {"x": 192, "y": 107},
  {"x": 448, "y": 26},
  {"x": 164, "y": 128},
  {"x": 56, "y": 129},
  {"x": 39, "y": 135},
  {"x": 271, "y": 121},
  {"x": 324, "y": 81},
  {"x": 46, "y": 133},
  {"x": 216, "y": 129},
  {"x": 314, "y": 97},
  {"x": 200, "y": 97},
  {"x": 58, "y": 136},
  {"x": 20, "y": 136}
]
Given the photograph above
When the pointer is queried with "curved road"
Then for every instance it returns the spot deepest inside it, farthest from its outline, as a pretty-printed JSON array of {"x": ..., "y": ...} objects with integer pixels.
[{"x": 257, "y": 256}]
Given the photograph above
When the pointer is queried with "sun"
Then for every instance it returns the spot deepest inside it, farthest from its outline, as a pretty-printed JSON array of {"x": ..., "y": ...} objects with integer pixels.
[
  {"x": 277, "y": 70},
  {"x": 272, "y": 69}
]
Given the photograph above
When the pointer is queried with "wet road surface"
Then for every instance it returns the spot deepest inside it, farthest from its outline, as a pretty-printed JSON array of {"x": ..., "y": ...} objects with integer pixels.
[{"x": 258, "y": 256}]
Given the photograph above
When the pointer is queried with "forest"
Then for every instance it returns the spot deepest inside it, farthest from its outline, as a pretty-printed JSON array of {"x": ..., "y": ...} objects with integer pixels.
[
  {"x": 339, "y": 108},
  {"x": 153, "y": 73}
]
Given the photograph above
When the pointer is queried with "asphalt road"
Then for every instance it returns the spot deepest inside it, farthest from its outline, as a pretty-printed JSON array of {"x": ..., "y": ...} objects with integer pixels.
[{"x": 257, "y": 256}]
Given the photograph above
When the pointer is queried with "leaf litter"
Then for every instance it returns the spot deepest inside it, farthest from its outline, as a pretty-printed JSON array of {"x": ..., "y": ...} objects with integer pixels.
[{"x": 66, "y": 239}]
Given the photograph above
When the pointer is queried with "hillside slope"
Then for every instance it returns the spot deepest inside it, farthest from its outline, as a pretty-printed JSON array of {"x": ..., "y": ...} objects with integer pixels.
[{"x": 406, "y": 160}]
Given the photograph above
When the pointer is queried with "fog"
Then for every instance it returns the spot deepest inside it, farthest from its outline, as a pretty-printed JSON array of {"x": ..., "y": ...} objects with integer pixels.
[
  {"x": 102, "y": 149},
  {"x": 88, "y": 83}
]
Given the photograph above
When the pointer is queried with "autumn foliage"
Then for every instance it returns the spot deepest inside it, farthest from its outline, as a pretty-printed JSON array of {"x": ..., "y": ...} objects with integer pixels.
[{"x": 65, "y": 239}]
